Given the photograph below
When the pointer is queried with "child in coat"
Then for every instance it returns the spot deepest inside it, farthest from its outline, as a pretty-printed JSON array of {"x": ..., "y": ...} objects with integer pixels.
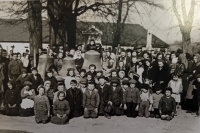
[
  {"x": 12, "y": 100},
  {"x": 157, "y": 95},
  {"x": 145, "y": 101},
  {"x": 125, "y": 86},
  {"x": 61, "y": 110},
  {"x": 91, "y": 101},
  {"x": 41, "y": 106},
  {"x": 60, "y": 87},
  {"x": 116, "y": 97},
  {"x": 167, "y": 105},
  {"x": 176, "y": 85},
  {"x": 131, "y": 98}
]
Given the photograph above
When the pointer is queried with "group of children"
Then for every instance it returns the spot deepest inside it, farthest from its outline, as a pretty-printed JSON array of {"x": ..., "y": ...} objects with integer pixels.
[{"x": 91, "y": 96}]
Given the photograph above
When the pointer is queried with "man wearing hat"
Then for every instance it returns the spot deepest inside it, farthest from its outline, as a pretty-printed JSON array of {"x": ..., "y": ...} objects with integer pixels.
[
  {"x": 139, "y": 51},
  {"x": 35, "y": 78},
  {"x": 91, "y": 101},
  {"x": 104, "y": 91}
]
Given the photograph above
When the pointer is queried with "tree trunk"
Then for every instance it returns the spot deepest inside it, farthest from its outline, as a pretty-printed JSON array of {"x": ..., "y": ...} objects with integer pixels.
[
  {"x": 57, "y": 22},
  {"x": 35, "y": 27},
  {"x": 71, "y": 31},
  {"x": 117, "y": 33}
]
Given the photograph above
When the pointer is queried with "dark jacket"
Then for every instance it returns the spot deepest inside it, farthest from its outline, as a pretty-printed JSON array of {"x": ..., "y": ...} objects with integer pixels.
[
  {"x": 12, "y": 97},
  {"x": 149, "y": 73},
  {"x": 117, "y": 96},
  {"x": 104, "y": 93},
  {"x": 74, "y": 97},
  {"x": 167, "y": 104},
  {"x": 131, "y": 95},
  {"x": 91, "y": 101},
  {"x": 53, "y": 82},
  {"x": 35, "y": 82},
  {"x": 162, "y": 75},
  {"x": 14, "y": 67}
]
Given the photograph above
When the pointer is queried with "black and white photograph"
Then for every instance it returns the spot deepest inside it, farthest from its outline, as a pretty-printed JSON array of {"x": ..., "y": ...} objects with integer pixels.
[{"x": 99, "y": 66}]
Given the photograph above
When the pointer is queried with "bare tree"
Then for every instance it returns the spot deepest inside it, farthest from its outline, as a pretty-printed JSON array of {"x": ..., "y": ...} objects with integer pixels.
[
  {"x": 185, "y": 22},
  {"x": 34, "y": 20}
]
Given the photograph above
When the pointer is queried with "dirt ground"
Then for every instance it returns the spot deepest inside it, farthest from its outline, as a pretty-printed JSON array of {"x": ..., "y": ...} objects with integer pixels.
[{"x": 183, "y": 123}]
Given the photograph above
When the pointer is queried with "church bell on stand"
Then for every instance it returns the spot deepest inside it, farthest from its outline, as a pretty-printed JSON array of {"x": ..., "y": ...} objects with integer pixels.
[
  {"x": 68, "y": 62},
  {"x": 92, "y": 57},
  {"x": 44, "y": 64}
]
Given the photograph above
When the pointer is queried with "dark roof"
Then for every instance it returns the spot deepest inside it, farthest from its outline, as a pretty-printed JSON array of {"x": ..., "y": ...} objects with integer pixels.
[{"x": 19, "y": 33}]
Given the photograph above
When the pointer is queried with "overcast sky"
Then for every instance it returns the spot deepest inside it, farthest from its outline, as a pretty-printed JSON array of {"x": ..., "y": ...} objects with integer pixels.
[{"x": 160, "y": 22}]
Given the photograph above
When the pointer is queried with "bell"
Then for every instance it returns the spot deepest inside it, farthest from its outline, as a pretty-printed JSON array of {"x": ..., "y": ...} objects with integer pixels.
[
  {"x": 68, "y": 62},
  {"x": 44, "y": 64},
  {"x": 41, "y": 64},
  {"x": 92, "y": 57}
]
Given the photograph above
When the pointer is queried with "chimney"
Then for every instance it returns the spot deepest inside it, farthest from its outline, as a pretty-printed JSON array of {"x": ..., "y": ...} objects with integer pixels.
[{"x": 149, "y": 40}]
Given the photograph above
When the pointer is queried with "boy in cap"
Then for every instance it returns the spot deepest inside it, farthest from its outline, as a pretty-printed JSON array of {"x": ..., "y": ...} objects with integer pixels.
[
  {"x": 83, "y": 85},
  {"x": 167, "y": 105},
  {"x": 104, "y": 91},
  {"x": 145, "y": 101},
  {"x": 91, "y": 101},
  {"x": 74, "y": 96},
  {"x": 116, "y": 97},
  {"x": 157, "y": 95},
  {"x": 131, "y": 98}
]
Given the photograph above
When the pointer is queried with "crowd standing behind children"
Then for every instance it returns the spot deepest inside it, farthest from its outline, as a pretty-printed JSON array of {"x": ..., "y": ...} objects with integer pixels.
[{"x": 134, "y": 83}]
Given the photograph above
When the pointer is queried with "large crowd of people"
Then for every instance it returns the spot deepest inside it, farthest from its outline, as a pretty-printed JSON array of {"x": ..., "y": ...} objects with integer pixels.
[{"x": 132, "y": 82}]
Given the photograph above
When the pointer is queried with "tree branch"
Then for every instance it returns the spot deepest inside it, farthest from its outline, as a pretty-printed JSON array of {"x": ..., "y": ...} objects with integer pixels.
[
  {"x": 177, "y": 14},
  {"x": 190, "y": 17},
  {"x": 184, "y": 11}
]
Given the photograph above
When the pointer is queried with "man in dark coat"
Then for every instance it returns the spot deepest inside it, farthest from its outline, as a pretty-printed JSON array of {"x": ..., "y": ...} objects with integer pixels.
[
  {"x": 36, "y": 79},
  {"x": 74, "y": 96},
  {"x": 104, "y": 91}
]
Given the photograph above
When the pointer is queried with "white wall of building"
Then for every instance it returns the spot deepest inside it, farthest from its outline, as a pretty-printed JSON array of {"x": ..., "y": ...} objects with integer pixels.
[{"x": 19, "y": 47}]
